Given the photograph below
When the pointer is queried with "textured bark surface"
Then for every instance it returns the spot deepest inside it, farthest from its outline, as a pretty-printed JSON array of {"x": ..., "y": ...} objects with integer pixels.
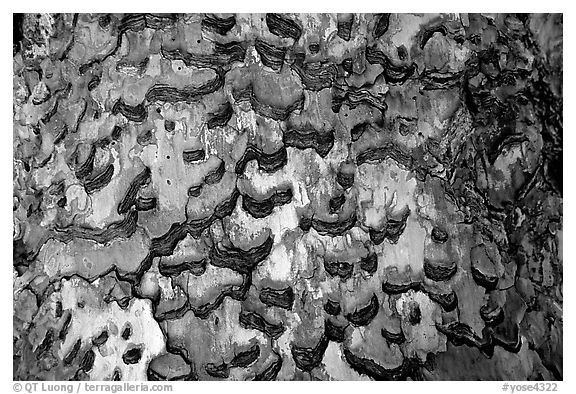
[{"x": 287, "y": 197}]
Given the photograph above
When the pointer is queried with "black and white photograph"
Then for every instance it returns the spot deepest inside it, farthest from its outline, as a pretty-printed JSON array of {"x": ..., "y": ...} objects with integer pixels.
[{"x": 286, "y": 196}]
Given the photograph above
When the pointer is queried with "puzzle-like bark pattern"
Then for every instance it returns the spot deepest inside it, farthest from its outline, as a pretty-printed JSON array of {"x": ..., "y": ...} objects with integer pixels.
[{"x": 289, "y": 197}]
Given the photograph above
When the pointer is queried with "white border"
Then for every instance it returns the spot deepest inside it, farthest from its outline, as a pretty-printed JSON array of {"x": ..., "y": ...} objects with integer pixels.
[{"x": 293, "y": 6}]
